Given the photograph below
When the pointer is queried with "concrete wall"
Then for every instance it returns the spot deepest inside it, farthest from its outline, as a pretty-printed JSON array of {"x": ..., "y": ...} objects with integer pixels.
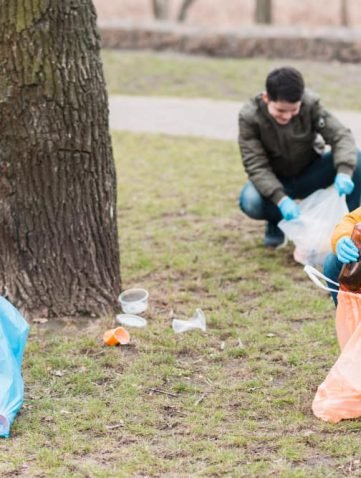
[{"x": 293, "y": 43}]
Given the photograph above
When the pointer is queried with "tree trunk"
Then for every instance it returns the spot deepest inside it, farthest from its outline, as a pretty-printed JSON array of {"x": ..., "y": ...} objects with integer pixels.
[
  {"x": 160, "y": 9},
  {"x": 344, "y": 13},
  {"x": 183, "y": 10},
  {"x": 263, "y": 11},
  {"x": 58, "y": 237}
]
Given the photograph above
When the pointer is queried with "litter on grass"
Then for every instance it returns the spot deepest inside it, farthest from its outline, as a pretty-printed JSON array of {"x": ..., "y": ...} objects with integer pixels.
[
  {"x": 198, "y": 321},
  {"x": 116, "y": 336},
  {"x": 134, "y": 301},
  {"x": 130, "y": 320}
]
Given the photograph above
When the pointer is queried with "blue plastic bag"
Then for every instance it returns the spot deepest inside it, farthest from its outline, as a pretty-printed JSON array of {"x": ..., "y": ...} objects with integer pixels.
[{"x": 13, "y": 334}]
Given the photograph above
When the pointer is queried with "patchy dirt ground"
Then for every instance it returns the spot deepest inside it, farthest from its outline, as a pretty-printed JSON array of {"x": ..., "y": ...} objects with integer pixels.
[
  {"x": 232, "y": 401},
  {"x": 236, "y": 13}
]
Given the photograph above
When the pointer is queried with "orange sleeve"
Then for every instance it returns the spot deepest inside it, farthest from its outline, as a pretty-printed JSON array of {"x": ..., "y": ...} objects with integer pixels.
[{"x": 345, "y": 227}]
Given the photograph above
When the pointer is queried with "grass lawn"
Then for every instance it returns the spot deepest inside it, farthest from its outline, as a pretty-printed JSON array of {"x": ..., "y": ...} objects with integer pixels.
[
  {"x": 234, "y": 401},
  {"x": 169, "y": 74}
]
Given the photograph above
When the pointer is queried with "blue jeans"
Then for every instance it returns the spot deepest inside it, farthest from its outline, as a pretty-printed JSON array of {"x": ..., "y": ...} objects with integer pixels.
[
  {"x": 331, "y": 269},
  {"x": 318, "y": 175}
]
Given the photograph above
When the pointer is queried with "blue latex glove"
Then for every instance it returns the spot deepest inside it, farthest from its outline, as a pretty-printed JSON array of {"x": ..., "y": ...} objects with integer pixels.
[
  {"x": 346, "y": 250},
  {"x": 289, "y": 208},
  {"x": 343, "y": 184}
]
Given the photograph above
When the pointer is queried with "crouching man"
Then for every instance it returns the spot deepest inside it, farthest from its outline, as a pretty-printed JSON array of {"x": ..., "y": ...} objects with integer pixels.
[{"x": 282, "y": 135}]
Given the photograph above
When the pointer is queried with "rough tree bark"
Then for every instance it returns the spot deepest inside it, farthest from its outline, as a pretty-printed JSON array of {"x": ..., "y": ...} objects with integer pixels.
[
  {"x": 59, "y": 250},
  {"x": 263, "y": 12}
]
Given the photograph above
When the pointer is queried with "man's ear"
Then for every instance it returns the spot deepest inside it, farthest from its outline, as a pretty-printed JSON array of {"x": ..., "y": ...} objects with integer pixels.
[{"x": 265, "y": 97}]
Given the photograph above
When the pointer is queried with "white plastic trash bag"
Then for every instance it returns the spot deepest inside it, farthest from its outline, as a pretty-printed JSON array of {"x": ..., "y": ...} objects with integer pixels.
[{"x": 311, "y": 231}]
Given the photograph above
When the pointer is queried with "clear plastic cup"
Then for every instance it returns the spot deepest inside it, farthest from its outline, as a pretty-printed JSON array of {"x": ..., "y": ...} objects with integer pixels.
[
  {"x": 198, "y": 321},
  {"x": 134, "y": 301}
]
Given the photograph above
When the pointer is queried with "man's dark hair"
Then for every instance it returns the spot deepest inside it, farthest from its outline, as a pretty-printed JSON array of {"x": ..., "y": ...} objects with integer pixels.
[{"x": 285, "y": 84}]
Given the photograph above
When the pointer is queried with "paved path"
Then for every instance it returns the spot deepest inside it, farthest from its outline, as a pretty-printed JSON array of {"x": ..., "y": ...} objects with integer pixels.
[{"x": 191, "y": 117}]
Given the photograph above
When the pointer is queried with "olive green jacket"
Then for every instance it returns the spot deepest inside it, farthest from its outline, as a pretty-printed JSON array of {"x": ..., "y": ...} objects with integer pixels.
[{"x": 271, "y": 151}]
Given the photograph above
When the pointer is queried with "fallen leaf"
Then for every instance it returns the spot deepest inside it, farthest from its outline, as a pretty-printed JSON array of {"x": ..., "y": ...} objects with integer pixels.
[
  {"x": 40, "y": 320},
  {"x": 117, "y": 425},
  {"x": 200, "y": 399},
  {"x": 58, "y": 373},
  {"x": 48, "y": 419}
]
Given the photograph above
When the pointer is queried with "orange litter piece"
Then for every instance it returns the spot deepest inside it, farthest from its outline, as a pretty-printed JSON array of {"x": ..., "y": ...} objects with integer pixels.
[
  {"x": 116, "y": 336},
  {"x": 122, "y": 335}
]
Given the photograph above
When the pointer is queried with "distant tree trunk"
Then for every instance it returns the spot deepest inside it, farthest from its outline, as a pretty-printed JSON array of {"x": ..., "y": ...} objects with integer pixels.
[
  {"x": 263, "y": 13},
  {"x": 160, "y": 9},
  {"x": 344, "y": 13},
  {"x": 183, "y": 10},
  {"x": 58, "y": 236}
]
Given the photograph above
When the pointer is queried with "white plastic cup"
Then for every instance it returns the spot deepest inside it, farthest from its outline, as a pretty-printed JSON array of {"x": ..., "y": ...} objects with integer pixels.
[
  {"x": 134, "y": 301},
  {"x": 198, "y": 321}
]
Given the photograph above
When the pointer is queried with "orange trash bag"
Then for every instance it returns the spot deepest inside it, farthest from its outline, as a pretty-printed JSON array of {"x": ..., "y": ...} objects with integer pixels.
[
  {"x": 339, "y": 396},
  {"x": 348, "y": 316}
]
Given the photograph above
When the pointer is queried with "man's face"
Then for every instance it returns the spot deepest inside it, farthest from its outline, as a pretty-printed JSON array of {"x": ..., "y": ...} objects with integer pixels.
[{"x": 281, "y": 111}]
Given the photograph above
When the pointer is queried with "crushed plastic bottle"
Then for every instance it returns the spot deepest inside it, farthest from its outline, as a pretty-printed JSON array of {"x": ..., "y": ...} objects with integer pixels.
[{"x": 198, "y": 321}]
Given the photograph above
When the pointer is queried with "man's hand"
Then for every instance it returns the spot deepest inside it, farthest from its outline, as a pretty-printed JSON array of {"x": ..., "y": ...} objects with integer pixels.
[
  {"x": 346, "y": 250},
  {"x": 289, "y": 208},
  {"x": 343, "y": 184}
]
